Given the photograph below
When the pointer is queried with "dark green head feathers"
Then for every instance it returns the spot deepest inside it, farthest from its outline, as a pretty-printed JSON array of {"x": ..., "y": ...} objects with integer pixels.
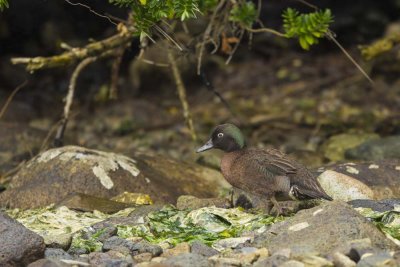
[{"x": 226, "y": 137}]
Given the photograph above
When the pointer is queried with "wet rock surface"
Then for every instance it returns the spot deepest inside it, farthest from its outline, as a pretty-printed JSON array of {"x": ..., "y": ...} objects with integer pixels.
[
  {"x": 56, "y": 173},
  {"x": 19, "y": 246}
]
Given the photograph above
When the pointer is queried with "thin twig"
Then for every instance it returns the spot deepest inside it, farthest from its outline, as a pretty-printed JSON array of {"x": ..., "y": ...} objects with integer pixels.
[
  {"x": 269, "y": 30},
  {"x": 10, "y": 97},
  {"x": 182, "y": 94},
  {"x": 236, "y": 47},
  {"x": 69, "y": 98},
  {"x": 91, "y": 10},
  {"x": 113, "y": 93},
  {"x": 333, "y": 39},
  {"x": 207, "y": 34},
  {"x": 331, "y": 36}
]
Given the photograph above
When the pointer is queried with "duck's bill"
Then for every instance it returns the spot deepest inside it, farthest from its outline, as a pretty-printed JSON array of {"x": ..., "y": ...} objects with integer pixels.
[{"x": 207, "y": 146}]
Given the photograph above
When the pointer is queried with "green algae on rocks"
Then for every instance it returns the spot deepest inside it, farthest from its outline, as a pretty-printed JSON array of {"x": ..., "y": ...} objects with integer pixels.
[
  {"x": 388, "y": 222},
  {"x": 209, "y": 224}
]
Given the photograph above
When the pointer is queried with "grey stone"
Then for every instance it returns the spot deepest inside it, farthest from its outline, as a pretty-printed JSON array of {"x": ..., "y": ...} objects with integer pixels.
[
  {"x": 192, "y": 203},
  {"x": 18, "y": 245},
  {"x": 272, "y": 261},
  {"x": 56, "y": 254},
  {"x": 135, "y": 248},
  {"x": 376, "y": 205},
  {"x": 202, "y": 249},
  {"x": 62, "y": 241},
  {"x": 48, "y": 263},
  {"x": 106, "y": 260},
  {"x": 187, "y": 259},
  {"x": 377, "y": 260},
  {"x": 341, "y": 260},
  {"x": 322, "y": 230},
  {"x": 138, "y": 216}
]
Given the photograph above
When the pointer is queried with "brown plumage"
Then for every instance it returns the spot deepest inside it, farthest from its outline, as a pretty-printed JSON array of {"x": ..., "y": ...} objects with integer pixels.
[{"x": 266, "y": 172}]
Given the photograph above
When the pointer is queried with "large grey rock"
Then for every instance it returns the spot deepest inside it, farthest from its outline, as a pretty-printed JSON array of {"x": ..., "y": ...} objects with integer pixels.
[
  {"x": 323, "y": 230},
  {"x": 56, "y": 173},
  {"x": 18, "y": 245},
  {"x": 362, "y": 180}
]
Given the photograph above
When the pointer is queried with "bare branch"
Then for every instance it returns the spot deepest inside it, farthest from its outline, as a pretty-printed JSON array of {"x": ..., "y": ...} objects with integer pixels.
[
  {"x": 123, "y": 38},
  {"x": 182, "y": 94},
  {"x": 10, "y": 98},
  {"x": 207, "y": 34},
  {"x": 69, "y": 98}
]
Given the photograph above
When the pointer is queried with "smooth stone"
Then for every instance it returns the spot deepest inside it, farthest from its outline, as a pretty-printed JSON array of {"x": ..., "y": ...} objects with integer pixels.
[
  {"x": 321, "y": 230},
  {"x": 200, "y": 248},
  {"x": 135, "y": 248},
  {"x": 344, "y": 187},
  {"x": 231, "y": 242},
  {"x": 18, "y": 245},
  {"x": 105, "y": 259},
  {"x": 143, "y": 257},
  {"x": 54, "y": 174},
  {"x": 193, "y": 203},
  {"x": 186, "y": 259},
  {"x": 272, "y": 261},
  {"x": 221, "y": 261},
  {"x": 382, "y": 177},
  {"x": 48, "y": 263},
  {"x": 314, "y": 261},
  {"x": 341, "y": 260},
  {"x": 292, "y": 263},
  {"x": 57, "y": 254},
  {"x": 177, "y": 250},
  {"x": 377, "y": 260},
  {"x": 62, "y": 241}
]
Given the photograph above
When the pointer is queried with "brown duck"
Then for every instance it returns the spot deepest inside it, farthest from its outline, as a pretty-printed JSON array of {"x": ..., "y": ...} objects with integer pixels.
[{"x": 266, "y": 172}]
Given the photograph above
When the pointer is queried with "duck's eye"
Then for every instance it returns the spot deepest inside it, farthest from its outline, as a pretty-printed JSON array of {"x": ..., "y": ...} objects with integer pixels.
[{"x": 220, "y": 135}]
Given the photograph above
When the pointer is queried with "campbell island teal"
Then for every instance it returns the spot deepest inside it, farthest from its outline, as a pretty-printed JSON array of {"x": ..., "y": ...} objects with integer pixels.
[{"x": 265, "y": 172}]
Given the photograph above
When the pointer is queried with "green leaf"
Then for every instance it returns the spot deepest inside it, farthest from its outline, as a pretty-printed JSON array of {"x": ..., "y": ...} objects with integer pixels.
[
  {"x": 308, "y": 28},
  {"x": 245, "y": 13},
  {"x": 3, "y": 4}
]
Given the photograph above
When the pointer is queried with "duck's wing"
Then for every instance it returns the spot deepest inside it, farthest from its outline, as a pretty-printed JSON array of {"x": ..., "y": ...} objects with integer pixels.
[{"x": 288, "y": 175}]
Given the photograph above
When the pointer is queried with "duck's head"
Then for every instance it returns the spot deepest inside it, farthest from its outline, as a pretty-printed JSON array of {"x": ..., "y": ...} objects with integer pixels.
[{"x": 226, "y": 137}]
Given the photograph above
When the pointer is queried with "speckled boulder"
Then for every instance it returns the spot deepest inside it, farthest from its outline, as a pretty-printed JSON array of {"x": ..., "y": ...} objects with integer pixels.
[
  {"x": 52, "y": 175},
  {"x": 325, "y": 229},
  {"x": 362, "y": 180},
  {"x": 18, "y": 245}
]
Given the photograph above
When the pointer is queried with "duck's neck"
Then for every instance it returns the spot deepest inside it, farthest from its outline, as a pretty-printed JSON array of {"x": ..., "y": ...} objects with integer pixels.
[{"x": 227, "y": 160}]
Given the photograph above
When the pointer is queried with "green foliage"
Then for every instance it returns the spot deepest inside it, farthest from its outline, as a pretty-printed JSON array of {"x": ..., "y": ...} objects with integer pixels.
[
  {"x": 3, "y": 4},
  {"x": 308, "y": 28},
  {"x": 244, "y": 13},
  {"x": 146, "y": 13}
]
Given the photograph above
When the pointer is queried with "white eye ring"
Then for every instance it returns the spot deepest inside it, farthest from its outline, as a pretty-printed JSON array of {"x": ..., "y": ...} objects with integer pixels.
[{"x": 220, "y": 135}]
